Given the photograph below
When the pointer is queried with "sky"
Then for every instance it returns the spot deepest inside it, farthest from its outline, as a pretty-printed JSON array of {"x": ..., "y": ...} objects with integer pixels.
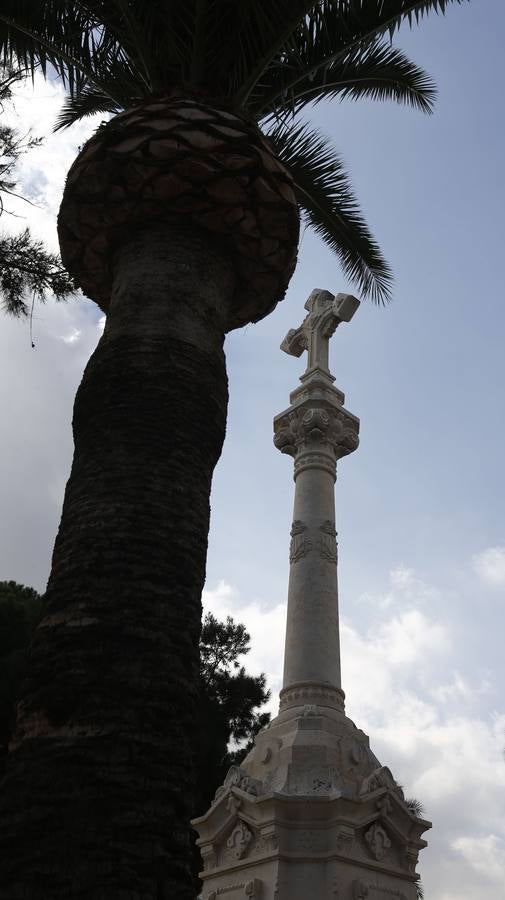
[{"x": 419, "y": 505}]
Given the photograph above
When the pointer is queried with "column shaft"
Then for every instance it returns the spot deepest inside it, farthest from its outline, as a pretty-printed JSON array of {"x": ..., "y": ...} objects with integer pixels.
[{"x": 312, "y": 652}]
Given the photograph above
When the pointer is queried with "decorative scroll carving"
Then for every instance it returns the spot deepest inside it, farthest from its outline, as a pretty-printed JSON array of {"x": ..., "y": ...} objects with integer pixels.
[
  {"x": 239, "y": 840},
  {"x": 300, "y": 544},
  {"x": 378, "y": 841}
]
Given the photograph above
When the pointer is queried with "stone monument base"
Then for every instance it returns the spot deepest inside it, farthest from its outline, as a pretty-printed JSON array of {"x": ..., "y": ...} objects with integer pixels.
[{"x": 310, "y": 815}]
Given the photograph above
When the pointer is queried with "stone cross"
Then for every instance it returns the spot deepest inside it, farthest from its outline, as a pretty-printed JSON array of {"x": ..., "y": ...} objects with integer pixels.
[{"x": 325, "y": 312}]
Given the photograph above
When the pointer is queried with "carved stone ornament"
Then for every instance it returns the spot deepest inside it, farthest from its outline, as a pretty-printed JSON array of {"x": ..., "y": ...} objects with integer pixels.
[
  {"x": 302, "y": 429},
  {"x": 300, "y": 545},
  {"x": 378, "y": 841},
  {"x": 328, "y": 541},
  {"x": 239, "y": 840},
  {"x": 236, "y": 777},
  {"x": 380, "y": 777}
]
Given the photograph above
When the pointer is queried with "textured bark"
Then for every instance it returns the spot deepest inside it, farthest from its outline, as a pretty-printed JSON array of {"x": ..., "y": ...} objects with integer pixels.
[{"x": 97, "y": 796}]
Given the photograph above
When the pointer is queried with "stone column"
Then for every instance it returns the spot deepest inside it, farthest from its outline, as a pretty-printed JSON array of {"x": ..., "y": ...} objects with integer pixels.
[
  {"x": 311, "y": 812},
  {"x": 316, "y": 431}
]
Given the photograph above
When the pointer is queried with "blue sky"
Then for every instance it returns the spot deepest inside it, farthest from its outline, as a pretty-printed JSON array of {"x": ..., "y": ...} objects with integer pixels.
[{"x": 419, "y": 505}]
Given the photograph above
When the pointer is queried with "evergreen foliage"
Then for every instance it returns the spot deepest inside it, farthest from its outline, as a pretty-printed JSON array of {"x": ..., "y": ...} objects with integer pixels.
[{"x": 27, "y": 270}]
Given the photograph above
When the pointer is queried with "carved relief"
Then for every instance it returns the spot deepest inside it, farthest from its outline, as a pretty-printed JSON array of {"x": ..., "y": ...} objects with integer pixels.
[
  {"x": 236, "y": 777},
  {"x": 239, "y": 840},
  {"x": 300, "y": 545},
  {"x": 327, "y": 542},
  {"x": 378, "y": 841},
  {"x": 380, "y": 777},
  {"x": 303, "y": 429}
]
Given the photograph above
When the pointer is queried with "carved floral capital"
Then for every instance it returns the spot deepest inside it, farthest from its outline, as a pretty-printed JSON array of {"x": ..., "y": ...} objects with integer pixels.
[{"x": 316, "y": 428}]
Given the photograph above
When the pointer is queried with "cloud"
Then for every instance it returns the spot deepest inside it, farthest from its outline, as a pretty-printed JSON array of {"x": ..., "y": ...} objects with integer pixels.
[
  {"x": 490, "y": 566},
  {"x": 37, "y": 390},
  {"x": 486, "y": 855}
]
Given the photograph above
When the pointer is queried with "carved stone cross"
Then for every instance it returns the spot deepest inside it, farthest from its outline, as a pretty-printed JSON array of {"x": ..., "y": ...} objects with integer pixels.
[{"x": 325, "y": 312}]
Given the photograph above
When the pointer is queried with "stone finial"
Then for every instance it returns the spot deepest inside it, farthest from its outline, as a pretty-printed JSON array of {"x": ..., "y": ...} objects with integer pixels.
[{"x": 325, "y": 313}]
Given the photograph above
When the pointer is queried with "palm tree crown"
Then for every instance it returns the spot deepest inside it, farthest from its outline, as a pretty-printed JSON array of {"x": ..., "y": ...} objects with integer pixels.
[{"x": 264, "y": 61}]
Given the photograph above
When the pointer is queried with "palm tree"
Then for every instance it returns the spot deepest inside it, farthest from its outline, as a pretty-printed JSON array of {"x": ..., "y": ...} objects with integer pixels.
[{"x": 180, "y": 218}]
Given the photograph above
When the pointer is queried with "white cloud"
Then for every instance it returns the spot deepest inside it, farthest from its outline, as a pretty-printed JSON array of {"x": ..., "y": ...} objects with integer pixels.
[
  {"x": 490, "y": 566},
  {"x": 73, "y": 335},
  {"x": 486, "y": 855},
  {"x": 37, "y": 390}
]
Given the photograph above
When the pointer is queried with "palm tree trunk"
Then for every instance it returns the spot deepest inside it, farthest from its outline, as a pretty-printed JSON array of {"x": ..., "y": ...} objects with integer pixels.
[{"x": 98, "y": 792}]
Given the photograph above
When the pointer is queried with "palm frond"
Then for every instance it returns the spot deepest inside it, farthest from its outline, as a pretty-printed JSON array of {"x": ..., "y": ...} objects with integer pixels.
[
  {"x": 88, "y": 102},
  {"x": 330, "y": 207},
  {"x": 234, "y": 51},
  {"x": 415, "y": 806},
  {"x": 378, "y": 72},
  {"x": 336, "y": 33}
]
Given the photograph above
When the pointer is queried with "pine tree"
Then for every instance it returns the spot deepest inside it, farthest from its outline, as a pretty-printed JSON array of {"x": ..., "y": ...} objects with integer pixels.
[{"x": 28, "y": 271}]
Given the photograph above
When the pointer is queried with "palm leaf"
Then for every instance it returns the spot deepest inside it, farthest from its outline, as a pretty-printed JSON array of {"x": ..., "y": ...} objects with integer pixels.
[
  {"x": 88, "y": 102},
  {"x": 330, "y": 207},
  {"x": 336, "y": 32},
  {"x": 378, "y": 71}
]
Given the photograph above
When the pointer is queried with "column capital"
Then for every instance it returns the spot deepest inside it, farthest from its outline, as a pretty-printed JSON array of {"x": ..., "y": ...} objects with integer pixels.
[{"x": 316, "y": 432}]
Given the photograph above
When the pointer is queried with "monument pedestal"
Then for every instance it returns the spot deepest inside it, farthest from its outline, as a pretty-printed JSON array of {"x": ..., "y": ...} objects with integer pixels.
[{"x": 311, "y": 814}]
